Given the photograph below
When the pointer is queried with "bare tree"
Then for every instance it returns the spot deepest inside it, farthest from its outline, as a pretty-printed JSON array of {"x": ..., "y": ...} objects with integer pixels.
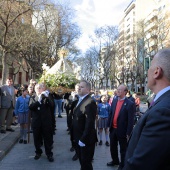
[
  {"x": 19, "y": 39},
  {"x": 89, "y": 67},
  {"x": 103, "y": 46},
  {"x": 55, "y": 22},
  {"x": 12, "y": 13}
]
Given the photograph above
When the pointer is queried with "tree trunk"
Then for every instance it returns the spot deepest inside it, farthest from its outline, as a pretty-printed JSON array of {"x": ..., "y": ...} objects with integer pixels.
[{"x": 4, "y": 67}]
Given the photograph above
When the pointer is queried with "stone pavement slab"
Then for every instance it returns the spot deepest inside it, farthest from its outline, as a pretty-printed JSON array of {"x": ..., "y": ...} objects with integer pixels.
[
  {"x": 15, "y": 156},
  {"x": 21, "y": 156},
  {"x": 8, "y": 140}
]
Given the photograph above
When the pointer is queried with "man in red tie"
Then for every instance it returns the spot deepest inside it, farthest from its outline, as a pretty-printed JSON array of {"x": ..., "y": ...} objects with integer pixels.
[{"x": 120, "y": 121}]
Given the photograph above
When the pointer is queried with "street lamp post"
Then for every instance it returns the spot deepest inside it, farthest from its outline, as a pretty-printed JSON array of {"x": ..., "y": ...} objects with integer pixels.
[{"x": 145, "y": 79}]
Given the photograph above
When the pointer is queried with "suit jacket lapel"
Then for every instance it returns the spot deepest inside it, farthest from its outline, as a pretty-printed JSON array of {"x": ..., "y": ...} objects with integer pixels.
[
  {"x": 146, "y": 112},
  {"x": 159, "y": 99},
  {"x": 123, "y": 106},
  {"x": 36, "y": 98},
  {"x": 81, "y": 102},
  {"x": 7, "y": 90},
  {"x": 114, "y": 106},
  {"x": 114, "y": 103}
]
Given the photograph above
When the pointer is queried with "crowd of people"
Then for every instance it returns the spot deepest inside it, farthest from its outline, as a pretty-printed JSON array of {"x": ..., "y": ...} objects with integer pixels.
[{"x": 89, "y": 114}]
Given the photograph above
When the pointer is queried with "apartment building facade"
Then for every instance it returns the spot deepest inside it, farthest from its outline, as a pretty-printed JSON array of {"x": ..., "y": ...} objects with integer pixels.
[{"x": 143, "y": 30}]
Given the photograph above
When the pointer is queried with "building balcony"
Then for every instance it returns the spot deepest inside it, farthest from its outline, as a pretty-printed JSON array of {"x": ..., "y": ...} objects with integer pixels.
[
  {"x": 150, "y": 36},
  {"x": 152, "y": 16},
  {"x": 150, "y": 26},
  {"x": 121, "y": 39}
]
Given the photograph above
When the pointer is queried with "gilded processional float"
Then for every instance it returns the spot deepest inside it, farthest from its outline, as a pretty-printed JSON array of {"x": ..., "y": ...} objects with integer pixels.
[{"x": 61, "y": 76}]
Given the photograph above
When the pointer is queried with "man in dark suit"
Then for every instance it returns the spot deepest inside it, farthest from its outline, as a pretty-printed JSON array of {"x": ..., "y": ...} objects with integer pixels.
[
  {"x": 7, "y": 105},
  {"x": 84, "y": 133},
  {"x": 42, "y": 121},
  {"x": 149, "y": 144},
  {"x": 121, "y": 124},
  {"x": 75, "y": 98}
]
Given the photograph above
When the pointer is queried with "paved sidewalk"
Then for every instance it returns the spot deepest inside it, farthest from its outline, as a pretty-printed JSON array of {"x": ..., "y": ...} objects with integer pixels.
[
  {"x": 21, "y": 156},
  {"x": 15, "y": 156},
  {"x": 8, "y": 140}
]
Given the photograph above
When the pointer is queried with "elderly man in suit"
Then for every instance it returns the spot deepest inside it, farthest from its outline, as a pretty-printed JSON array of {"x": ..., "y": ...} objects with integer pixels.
[
  {"x": 7, "y": 105},
  {"x": 121, "y": 124},
  {"x": 149, "y": 145},
  {"x": 83, "y": 126},
  {"x": 42, "y": 121}
]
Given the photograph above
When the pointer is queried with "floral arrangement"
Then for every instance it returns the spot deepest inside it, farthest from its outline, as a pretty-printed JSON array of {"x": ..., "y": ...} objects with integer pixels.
[{"x": 64, "y": 81}]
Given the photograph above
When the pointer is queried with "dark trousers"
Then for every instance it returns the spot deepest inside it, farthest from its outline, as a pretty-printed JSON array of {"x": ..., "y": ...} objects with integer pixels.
[
  {"x": 114, "y": 139},
  {"x": 62, "y": 106},
  {"x": 41, "y": 135},
  {"x": 85, "y": 155},
  {"x": 69, "y": 118}
]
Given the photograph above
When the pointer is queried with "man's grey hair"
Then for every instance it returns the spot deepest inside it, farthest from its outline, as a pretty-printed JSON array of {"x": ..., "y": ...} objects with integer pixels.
[
  {"x": 77, "y": 84},
  {"x": 41, "y": 86},
  {"x": 164, "y": 61}
]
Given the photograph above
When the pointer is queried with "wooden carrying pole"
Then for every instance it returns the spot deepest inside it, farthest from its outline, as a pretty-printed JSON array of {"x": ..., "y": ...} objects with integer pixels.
[{"x": 29, "y": 122}]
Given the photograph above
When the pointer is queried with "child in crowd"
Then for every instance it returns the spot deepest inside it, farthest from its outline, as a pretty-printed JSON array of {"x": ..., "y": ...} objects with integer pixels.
[
  {"x": 137, "y": 102},
  {"x": 96, "y": 96},
  {"x": 103, "y": 114},
  {"x": 21, "y": 110},
  {"x": 113, "y": 97}
]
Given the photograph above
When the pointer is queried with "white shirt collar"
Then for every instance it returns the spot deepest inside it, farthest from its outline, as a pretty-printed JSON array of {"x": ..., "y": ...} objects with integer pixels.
[
  {"x": 82, "y": 97},
  {"x": 160, "y": 93},
  {"x": 122, "y": 98}
]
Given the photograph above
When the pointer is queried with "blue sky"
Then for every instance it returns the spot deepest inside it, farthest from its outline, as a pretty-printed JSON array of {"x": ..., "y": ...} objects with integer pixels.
[{"x": 91, "y": 14}]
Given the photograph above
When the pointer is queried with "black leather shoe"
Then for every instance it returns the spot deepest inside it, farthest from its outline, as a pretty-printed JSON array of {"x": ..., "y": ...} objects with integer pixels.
[
  {"x": 71, "y": 149},
  {"x": 50, "y": 158},
  {"x": 100, "y": 143},
  {"x": 11, "y": 130},
  {"x": 21, "y": 141},
  {"x": 75, "y": 157},
  {"x": 37, "y": 156},
  {"x": 25, "y": 141},
  {"x": 107, "y": 143},
  {"x": 112, "y": 163},
  {"x": 3, "y": 131},
  {"x": 119, "y": 168},
  {"x": 14, "y": 124},
  {"x": 59, "y": 116}
]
